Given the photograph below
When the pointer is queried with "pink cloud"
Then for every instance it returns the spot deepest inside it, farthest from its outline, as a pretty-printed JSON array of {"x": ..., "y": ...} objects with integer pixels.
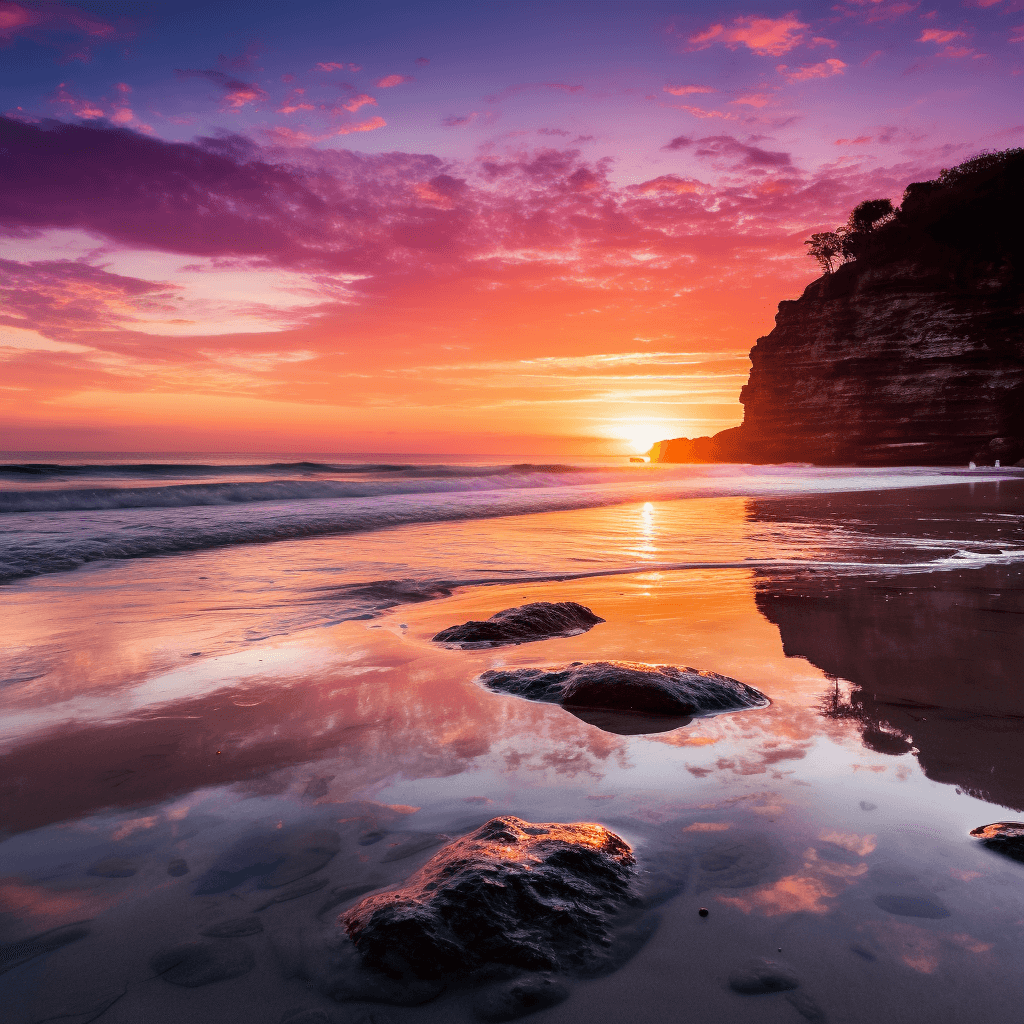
[
  {"x": 237, "y": 93},
  {"x": 754, "y": 99},
  {"x": 364, "y": 126},
  {"x": 698, "y": 112},
  {"x": 356, "y": 102},
  {"x": 770, "y": 37},
  {"x": 672, "y": 184},
  {"x": 1019, "y": 37},
  {"x": 390, "y": 81},
  {"x": 14, "y": 17},
  {"x": 59, "y": 17},
  {"x": 335, "y": 66},
  {"x": 861, "y": 140},
  {"x": 826, "y": 69},
  {"x": 686, "y": 90},
  {"x": 75, "y": 104},
  {"x": 937, "y": 35}
]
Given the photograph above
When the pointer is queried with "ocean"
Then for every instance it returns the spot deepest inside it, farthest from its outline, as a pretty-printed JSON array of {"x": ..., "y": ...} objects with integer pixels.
[{"x": 204, "y": 651}]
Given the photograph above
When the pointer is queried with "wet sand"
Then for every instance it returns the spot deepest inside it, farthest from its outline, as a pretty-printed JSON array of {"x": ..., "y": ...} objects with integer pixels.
[{"x": 833, "y": 824}]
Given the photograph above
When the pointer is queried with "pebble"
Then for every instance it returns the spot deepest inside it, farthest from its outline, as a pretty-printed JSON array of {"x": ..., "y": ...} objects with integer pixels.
[
  {"x": 703, "y": 911},
  {"x": 760, "y": 976},
  {"x": 193, "y": 964}
]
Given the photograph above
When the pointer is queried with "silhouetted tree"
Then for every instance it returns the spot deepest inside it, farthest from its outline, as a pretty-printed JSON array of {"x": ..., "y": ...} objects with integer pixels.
[
  {"x": 870, "y": 214},
  {"x": 827, "y": 247}
]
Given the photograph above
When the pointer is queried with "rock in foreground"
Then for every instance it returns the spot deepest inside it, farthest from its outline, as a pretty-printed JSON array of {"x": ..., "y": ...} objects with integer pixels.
[
  {"x": 542, "y": 620},
  {"x": 534, "y": 897},
  {"x": 1005, "y": 837},
  {"x": 622, "y": 686}
]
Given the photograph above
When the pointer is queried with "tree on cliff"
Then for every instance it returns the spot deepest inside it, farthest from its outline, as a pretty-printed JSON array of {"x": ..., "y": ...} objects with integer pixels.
[
  {"x": 827, "y": 247},
  {"x": 845, "y": 243}
]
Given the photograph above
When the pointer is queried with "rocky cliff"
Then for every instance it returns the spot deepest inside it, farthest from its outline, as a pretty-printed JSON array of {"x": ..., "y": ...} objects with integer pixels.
[{"x": 911, "y": 353}]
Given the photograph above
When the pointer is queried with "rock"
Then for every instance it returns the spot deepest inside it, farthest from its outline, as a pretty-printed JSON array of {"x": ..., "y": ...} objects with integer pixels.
[
  {"x": 201, "y": 963},
  {"x": 806, "y": 1007},
  {"x": 535, "y": 897},
  {"x": 112, "y": 867},
  {"x": 517, "y": 998},
  {"x": 1005, "y": 837},
  {"x": 177, "y": 867},
  {"x": 909, "y": 905},
  {"x": 909, "y": 355},
  {"x": 277, "y": 858},
  {"x": 234, "y": 928},
  {"x": 760, "y": 976},
  {"x": 15, "y": 953},
  {"x": 541, "y": 620},
  {"x": 628, "y": 687},
  {"x": 867, "y": 805},
  {"x": 293, "y": 892},
  {"x": 343, "y": 893}
]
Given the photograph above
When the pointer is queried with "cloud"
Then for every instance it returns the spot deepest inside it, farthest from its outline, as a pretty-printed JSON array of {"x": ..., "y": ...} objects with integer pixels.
[
  {"x": 14, "y": 18},
  {"x": 75, "y": 104},
  {"x": 936, "y": 35},
  {"x": 726, "y": 147},
  {"x": 700, "y": 112},
  {"x": 679, "y": 142},
  {"x": 686, "y": 90},
  {"x": 364, "y": 126},
  {"x": 861, "y": 140},
  {"x": 390, "y": 81},
  {"x": 754, "y": 99},
  {"x": 826, "y": 69},
  {"x": 285, "y": 136},
  {"x": 770, "y": 37},
  {"x": 670, "y": 183},
  {"x": 236, "y": 92},
  {"x": 57, "y": 17},
  {"x": 335, "y": 66}
]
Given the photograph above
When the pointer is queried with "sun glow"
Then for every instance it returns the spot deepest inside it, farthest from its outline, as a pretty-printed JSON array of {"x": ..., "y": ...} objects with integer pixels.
[{"x": 640, "y": 434}]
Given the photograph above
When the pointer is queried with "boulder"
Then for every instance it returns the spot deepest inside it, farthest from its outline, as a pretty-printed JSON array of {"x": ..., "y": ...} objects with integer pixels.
[
  {"x": 542, "y": 620},
  {"x": 1005, "y": 837},
  {"x": 628, "y": 687},
  {"x": 531, "y": 897}
]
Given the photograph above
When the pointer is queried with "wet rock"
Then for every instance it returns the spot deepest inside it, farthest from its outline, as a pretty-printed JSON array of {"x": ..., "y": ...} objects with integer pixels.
[
  {"x": 343, "y": 893},
  {"x": 1005, "y": 837},
  {"x": 15, "y": 953},
  {"x": 535, "y": 897},
  {"x": 177, "y": 867},
  {"x": 512, "y": 999},
  {"x": 806, "y": 1007},
  {"x": 277, "y": 858},
  {"x": 318, "y": 787},
  {"x": 761, "y": 976},
  {"x": 112, "y": 867},
  {"x": 293, "y": 892},
  {"x": 193, "y": 964},
  {"x": 910, "y": 905},
  {"x": 234, "y": 928},
  {"x": 541, "y": 620},
  {"x": 627, "y": 687}
]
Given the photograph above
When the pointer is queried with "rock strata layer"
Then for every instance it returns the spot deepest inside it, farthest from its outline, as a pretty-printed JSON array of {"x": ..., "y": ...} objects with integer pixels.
[
  {"x": 912, "y": 354},
  {"x": 532, "y": 897},
  {"x": 627, "y": 687},
  {"x": 542, "y": 620}
]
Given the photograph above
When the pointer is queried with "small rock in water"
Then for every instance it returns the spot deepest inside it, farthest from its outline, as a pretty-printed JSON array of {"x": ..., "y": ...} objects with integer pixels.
[
  {"x": 1005, "y": 837},
  {"x": 622, "y": 686},
  {"x": 15, "y": 953},
  {"x": 369, "y": 838},
  {"x": 234, "y": 928},
  {"x": 703, "y": 911},
  {"x": 536, "y": 897},
  {"x": 318, "y": 787},
  {"x": 177, "y": 867},
  {"x": 201, "y": 963},
  {"x": 760, "y": 976},
  {"x": 343, "y": 893},
  {"x": 112, "y": 867},
  {"x": 806, "y": 1007},
  {"x": 905, "y": 905},
  {"x": 517, "y": 998},
  {"x": 542, "y": 620}
]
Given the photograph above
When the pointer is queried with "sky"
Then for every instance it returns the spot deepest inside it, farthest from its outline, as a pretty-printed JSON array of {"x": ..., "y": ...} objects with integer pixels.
[{"x": 464, "y": 227}]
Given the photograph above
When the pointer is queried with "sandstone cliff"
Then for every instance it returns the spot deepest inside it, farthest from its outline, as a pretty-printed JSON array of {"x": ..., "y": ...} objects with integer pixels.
[{"x": 911, "y": 354}]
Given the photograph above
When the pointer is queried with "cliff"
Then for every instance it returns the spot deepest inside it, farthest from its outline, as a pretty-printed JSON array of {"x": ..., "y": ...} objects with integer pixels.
[{"x": 911, "y": 353}]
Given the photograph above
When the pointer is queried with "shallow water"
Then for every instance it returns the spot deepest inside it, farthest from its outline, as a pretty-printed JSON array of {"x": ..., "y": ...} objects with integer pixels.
[{"x": 169, "y": 708}]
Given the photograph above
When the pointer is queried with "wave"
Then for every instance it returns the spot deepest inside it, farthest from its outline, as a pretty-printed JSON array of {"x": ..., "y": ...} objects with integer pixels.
[{"x": 53, "y": 540}]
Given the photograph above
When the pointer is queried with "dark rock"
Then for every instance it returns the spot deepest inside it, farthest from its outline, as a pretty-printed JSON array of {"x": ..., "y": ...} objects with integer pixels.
[
  {"x": 806, "y": 1007},
  {"x": 277, "y": 858},
  {"x": 512, "y": 999},
  {"x": 909, "y": 355},
  {"x": 318, "y": 787},
  {"x": 627, "y": 687},
  {"x": 909, "y": 905},
  {"x": 703, "y": 911},
  {"x": 1005, "y": 837},
  {"x": 535, "y": 897},
  {"x": 293, "y": 892},
  {"x": 371, "y": 837},
  {"x": 201, "y": 963},
  {"x": 112, "y": 867},
  {"x": 234, "y": 928},
  {"x": 177, "y": 867},
  {"x": 760, "y": 976},
  {"x": 541, "y": 620},
  {"x": 630, "y": 723},
  {"x": 867, "y": 805},
  {"x": 15, "y": 953}
]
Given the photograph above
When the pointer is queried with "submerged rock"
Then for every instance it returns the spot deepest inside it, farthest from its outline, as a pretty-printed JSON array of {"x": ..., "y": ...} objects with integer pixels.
[
  {"x": 534, "y": 897},
  {"x": 234, "y": 928},
  {"x": 623, "y": 686},
  {"x": 15, "y": 953},
  {"x": 277, "y": 858},
  {"x": 1005, "y": 837},
  {"x": 910, "y": 905},
  {"x": 761, "y": 976},
  {"x": 512, "y": 999},
  {"x": 542, "y": 620},
  {"x": 193, "y": 964},
  {"x": 112, "y": 867}
]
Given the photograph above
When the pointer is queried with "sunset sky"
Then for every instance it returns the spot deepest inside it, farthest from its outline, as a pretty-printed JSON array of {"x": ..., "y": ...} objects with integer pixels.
[{"x": 480, "y": 227}]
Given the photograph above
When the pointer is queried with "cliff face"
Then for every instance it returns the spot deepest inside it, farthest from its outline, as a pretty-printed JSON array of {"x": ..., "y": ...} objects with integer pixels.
[{"x": 911, "y": 354}]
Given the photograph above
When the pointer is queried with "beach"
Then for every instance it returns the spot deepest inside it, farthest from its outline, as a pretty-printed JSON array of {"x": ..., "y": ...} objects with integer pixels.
[{"x": 207, "y": 656}]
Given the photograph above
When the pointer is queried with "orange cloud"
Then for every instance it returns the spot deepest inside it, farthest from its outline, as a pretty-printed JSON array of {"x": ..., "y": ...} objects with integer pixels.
[
  {"x": 363, "y": 126},
  {"x": 391, "y": 81},
  {"x": 938, "y": 35},
  {"x": 362, "y": 100},
  {"x": 698, "y": 112},
  {"x": 686, "y": 90},
  {"x": 826, "y": 69},
  {"x": 335, "y": 66},
  {"x": 861, "y": 140},
  {"x": 669, "y": 183},
  {"x": 770, "y": 37},
  {"x": 755, "y": 99}
]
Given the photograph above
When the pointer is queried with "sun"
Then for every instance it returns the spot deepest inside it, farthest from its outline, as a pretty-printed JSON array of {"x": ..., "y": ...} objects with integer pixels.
[{"x": 640, "y": 434}]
